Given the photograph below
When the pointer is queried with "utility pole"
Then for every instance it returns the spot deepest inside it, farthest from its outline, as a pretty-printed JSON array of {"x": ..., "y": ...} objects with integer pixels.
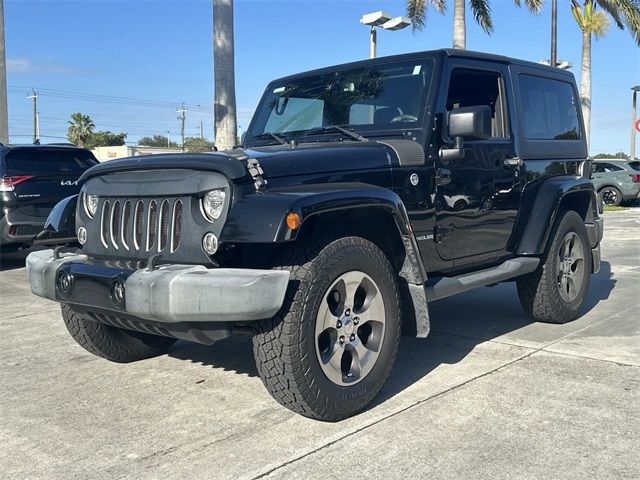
[
  {"x": 34, "y": 96},
  {"x": 168, "y": 140},
  {"x": 4, "y": 116},
  {"x": 183, "y": 116},
  {"x": 635, "y": 89},
  {"x": 554, "y": 33},
  {"x": 201, "y": 130}
]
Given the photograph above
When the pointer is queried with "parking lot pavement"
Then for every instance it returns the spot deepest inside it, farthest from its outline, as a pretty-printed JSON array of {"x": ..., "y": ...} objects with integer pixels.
[{"x": 487, "y": 395}]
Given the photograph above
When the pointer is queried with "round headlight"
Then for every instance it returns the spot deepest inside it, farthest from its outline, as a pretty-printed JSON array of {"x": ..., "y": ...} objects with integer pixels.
[
  {"x": 90, "y": 204},
  {"x": 213, "y": 203}
]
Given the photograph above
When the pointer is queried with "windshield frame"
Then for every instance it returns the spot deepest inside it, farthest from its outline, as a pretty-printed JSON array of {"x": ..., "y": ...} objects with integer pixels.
[{"x": 368, "y": 130}]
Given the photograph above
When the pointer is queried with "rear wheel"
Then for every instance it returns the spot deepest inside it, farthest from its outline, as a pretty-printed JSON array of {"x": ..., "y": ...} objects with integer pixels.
[
  {"x": 556, "y": 290},
  {"x": 611, "y": 196},
  {"x": 330, "y": 349},
  {"x": 113, "y": 343}
]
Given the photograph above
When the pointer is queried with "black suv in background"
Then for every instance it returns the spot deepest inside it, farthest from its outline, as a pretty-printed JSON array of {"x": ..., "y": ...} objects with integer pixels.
[{"x": 33, "y": 178}]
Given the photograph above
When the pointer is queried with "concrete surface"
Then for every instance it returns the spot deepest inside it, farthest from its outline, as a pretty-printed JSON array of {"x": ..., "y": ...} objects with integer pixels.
[{"x": 487, "y": 395}]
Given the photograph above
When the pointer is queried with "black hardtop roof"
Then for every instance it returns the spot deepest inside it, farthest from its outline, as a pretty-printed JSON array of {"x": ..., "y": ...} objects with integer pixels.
[{"x": 442, "y": 53}]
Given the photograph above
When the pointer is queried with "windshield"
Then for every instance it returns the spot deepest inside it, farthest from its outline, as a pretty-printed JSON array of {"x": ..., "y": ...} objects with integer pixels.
[{"x": 375, "y": 97}]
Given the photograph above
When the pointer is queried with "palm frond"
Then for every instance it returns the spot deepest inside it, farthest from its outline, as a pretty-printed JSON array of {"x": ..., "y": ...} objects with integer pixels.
[
  {"x": 611, "y": 8},
  {"x": 482, "y": 14},
  {"x": 417, "y": 12},
  {"x": 599, "y": 24},
  {"x": 624, "y": 13},
  {"x": 534, "y": 6}
]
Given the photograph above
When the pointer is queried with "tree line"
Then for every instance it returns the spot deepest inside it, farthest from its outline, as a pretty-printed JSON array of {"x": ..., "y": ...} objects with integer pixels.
[{"x": 81, "y": 132}]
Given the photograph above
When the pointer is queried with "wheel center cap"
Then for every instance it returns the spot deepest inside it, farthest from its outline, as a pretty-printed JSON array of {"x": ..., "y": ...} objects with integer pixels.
[{"x": 347, "y": 325}]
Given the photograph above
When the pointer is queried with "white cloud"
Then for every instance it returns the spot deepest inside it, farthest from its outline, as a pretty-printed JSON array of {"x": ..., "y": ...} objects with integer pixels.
[
  {"x": 24, "y": 65},
  {"x": 18, "y": 65}
]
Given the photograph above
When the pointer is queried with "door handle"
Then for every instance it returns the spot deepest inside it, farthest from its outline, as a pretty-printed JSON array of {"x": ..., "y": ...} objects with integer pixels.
[{"x": 512, "y": 162}]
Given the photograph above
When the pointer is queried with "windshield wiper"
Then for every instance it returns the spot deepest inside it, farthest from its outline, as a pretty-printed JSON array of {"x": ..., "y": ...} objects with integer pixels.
[
  {"x": 337, "y": 128},
  {"x": 266, "y": 135}
]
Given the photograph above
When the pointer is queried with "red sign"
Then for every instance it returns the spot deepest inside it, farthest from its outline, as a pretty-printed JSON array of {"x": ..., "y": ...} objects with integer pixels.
[{"x": 638, "y": 125}]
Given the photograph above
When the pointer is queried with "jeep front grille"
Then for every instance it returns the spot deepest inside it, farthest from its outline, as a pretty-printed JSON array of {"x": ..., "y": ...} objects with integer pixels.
[{"x": 139, "y": 225}]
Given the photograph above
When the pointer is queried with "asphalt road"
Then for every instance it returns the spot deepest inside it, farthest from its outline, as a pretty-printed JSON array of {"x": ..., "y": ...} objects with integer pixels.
[{"x": 487, "y": 395}]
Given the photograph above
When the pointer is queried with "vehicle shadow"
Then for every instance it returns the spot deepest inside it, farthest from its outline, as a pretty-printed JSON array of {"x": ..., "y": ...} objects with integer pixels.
[
  {"x": 458, "y": 325},
  {"x": 12, "y": 261}
]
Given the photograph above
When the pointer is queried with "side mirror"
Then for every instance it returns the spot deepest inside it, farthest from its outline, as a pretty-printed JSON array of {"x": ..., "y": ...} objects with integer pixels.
[{"x": 471, "y": 123}]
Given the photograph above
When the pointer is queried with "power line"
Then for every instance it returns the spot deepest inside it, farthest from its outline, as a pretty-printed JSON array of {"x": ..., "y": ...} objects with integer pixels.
[{"x": 111, "y": 99}]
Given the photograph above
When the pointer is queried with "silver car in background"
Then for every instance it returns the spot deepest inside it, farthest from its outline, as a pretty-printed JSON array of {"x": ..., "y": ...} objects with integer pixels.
[{"x": 616, "y": 180}]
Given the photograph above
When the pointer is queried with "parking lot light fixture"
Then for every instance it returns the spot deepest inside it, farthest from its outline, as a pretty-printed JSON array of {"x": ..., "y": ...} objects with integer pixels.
[{"x": 383, "y": 20}]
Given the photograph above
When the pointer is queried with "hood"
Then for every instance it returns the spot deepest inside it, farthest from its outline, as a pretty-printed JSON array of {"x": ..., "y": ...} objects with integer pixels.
[
  {"x": 316, "y": 158},
  {"x": 276, "y": 161}
]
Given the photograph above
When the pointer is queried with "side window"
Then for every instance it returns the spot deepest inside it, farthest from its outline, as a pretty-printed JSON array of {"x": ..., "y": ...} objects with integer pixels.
[
  {"x": 468, "y": 88},
  {"x": 550, "y": 109},
  {"x": 606, "y": 168}
]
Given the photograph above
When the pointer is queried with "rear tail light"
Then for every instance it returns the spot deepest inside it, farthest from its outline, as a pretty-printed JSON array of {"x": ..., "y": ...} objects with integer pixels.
[
  {"x": 7, "y": 184},
  {"x": 635, "y": 177}
]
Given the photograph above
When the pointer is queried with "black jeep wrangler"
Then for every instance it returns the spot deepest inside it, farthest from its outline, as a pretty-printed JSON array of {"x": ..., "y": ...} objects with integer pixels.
[{"x": 362, "y": 192}]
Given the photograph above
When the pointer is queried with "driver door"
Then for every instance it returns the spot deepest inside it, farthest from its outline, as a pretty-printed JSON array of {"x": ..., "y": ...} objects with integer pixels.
[{"x": 476, "y": 210}]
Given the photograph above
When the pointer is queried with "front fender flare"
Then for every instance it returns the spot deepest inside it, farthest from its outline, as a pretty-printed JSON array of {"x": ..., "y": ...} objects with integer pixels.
[
  {"x": 62, "y": 218},
  {"x": 261, "y": 218}
]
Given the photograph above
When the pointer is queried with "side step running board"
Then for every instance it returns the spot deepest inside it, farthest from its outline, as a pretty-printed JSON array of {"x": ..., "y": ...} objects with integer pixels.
[{"x": 448, "y": 286}]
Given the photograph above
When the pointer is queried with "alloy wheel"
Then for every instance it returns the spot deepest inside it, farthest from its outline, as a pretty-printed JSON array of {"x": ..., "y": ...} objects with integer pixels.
[
  {"x": 350, "y": 328},
  {"x": 570, "y": 267}
]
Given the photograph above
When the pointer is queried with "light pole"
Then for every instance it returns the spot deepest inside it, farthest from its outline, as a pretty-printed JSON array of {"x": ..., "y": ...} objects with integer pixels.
[
  {"x": 635, "y": 90},
  {"x": 554, "y": 33},
  {"x": 383, "y": 20}
]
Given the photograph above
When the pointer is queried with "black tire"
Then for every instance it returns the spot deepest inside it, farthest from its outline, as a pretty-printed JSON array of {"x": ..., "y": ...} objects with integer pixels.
[
  {"x": 113, "y": 343},
  {"x": 285, "y": 346},
  {"x": 539, "y": 291},
  {"x": 610, "y": 196}
]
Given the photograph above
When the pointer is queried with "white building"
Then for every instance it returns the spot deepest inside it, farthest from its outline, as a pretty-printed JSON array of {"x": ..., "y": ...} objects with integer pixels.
[{"x": 111, "y": 153}]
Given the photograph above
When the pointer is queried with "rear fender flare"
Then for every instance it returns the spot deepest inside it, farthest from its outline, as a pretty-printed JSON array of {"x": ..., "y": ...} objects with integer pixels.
[{"x": 550, "y": 196}]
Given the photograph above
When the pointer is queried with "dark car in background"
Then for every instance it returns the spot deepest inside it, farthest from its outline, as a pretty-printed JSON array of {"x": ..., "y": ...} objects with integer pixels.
[
  {"x": 33, "y": 178},
  {"x": 616, "y": 181}
]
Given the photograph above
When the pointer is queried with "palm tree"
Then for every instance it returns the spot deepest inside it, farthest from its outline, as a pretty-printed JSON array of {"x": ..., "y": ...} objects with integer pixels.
[
  {"x": 224, "y": 108},
  {"x": 594, "y": 22},
  {"x": 417, "y": 12},
  {"x": 80, "y": 128}
]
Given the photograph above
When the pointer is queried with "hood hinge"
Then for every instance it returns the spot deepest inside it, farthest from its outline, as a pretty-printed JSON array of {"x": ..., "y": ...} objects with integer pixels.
[{"x": 256, "y": 172}]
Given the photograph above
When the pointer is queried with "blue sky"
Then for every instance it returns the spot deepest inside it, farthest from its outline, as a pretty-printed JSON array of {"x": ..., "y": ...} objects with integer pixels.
[{"x": 153, "y": 50}]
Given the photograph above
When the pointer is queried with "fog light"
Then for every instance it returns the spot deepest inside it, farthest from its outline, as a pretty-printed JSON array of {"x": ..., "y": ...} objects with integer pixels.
[
  {"x": 210, "y": 243},
  {"x": 64, "y": 283},
  {"x": 117, "y": 292},
  {"x": 82, "y": 235}
]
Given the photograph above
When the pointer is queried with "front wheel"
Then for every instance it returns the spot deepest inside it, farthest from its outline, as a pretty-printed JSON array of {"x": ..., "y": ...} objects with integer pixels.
[
  {"x": 555, "y": 291},
  {"x": 611, "y": 196},
  {"x": 329, "y": 351}
]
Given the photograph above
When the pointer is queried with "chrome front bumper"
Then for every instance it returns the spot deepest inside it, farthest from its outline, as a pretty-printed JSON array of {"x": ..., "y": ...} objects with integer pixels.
[{"x": 167, "y": 294}]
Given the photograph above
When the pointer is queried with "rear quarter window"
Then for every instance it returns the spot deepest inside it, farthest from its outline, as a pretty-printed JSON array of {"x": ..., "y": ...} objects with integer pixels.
[
  {"x": 601, "y": 167},
  {"x": 550, "y": 109},
  {"x": 48, "y": 162}
]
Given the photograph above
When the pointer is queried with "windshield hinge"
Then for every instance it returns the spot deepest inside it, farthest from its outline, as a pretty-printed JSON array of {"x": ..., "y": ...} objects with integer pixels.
[
  {"x": 256, "y": 172},
  {"x": 440, "y": 232}
]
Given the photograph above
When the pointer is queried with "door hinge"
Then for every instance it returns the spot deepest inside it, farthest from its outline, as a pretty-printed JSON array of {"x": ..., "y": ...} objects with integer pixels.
[{"x": 439, "y": 232}]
